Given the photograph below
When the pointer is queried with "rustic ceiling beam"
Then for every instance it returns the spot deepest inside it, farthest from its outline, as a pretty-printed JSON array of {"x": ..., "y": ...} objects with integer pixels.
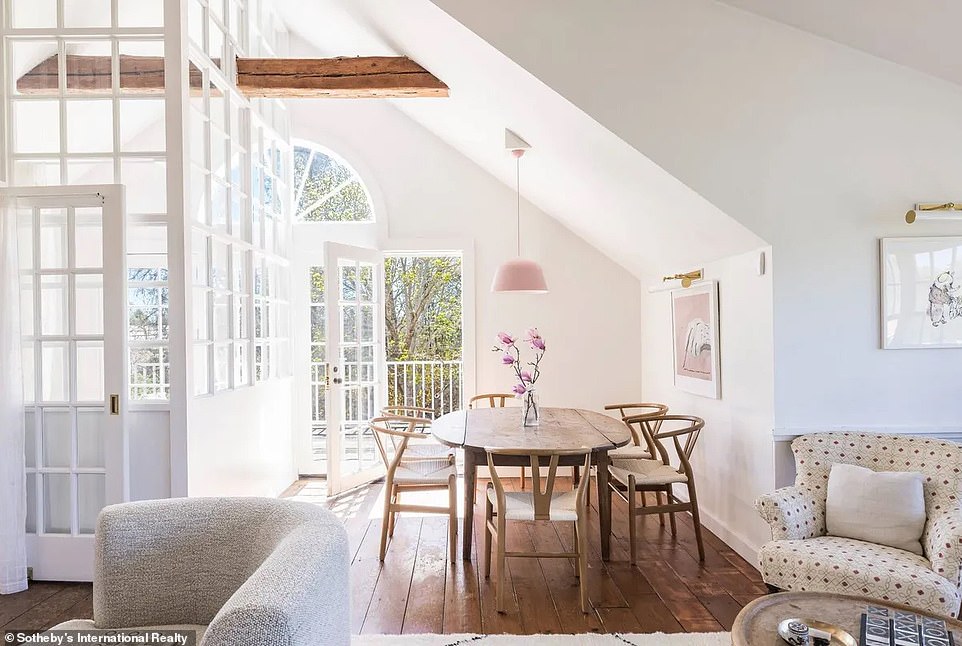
[
  {"x": 352, "y": 78},
  {"x": 92, "y": 74},
  {"x": 359, "y": 77}
]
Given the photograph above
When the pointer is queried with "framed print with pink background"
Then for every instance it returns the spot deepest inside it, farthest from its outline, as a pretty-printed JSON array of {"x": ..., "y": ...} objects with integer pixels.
[{"x": 694, "y": 325}]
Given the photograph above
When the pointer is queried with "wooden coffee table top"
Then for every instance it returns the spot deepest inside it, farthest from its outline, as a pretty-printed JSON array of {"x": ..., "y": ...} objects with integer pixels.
[{"x": 757, "y": 623}]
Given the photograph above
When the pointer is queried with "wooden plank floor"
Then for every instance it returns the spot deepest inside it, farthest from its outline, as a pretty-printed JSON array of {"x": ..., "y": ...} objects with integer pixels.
[{"x": 417, "y": 589}]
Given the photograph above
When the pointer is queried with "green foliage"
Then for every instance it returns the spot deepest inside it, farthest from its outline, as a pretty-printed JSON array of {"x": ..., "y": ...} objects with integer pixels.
[
  {"x": 423, "y": 308},
  {"x": 329, "y": 191}
]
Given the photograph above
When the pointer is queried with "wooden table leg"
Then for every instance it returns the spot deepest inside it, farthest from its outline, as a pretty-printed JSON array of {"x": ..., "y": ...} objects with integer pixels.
[
  {"x": 604, "y": 504},
  {"x": 470, "y": 479}
]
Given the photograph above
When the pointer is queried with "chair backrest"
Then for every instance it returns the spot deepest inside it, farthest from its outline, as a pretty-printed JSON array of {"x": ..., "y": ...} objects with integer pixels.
[
  {"x": 939, "y": 461},
  {"x": 683, "y": 430},
  {"x": 392, "y": 434},
  {"x": 409, "y": 411},
  {"x": 492, "y": 400},
  {"x": 641, "y": 429},
  {"x": 541, "y": 496}
]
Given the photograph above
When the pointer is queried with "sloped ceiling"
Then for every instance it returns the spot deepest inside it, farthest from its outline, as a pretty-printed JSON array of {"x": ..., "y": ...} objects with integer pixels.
[
  {"x": 921, "y": 34},
  {"x": 593, "y": 182}
]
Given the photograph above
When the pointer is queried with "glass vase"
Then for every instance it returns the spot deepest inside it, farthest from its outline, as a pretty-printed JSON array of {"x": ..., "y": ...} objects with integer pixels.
[{"x": 530, "y": 408}]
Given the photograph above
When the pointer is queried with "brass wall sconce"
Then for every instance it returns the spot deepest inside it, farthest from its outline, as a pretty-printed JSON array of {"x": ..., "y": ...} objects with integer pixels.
[
  {"x": 686, "y": 279},
  {"x": 934, "y": 211}
]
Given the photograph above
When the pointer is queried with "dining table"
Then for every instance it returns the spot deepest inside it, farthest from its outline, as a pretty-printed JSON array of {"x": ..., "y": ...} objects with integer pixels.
[{"x": 479, "y": 429}]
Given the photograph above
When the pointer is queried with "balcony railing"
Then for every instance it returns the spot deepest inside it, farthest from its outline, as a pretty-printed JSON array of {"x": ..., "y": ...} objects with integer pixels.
[{"x": 428, "y": 384}]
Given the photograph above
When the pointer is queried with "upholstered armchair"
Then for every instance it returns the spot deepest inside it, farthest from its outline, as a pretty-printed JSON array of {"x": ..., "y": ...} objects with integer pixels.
[
  {"x": 237, "y": 571},
  {"x": 801, "y": 557}
]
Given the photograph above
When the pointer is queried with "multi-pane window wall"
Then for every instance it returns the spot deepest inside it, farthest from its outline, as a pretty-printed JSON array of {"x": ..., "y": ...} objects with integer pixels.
[
  {"x": 78, "y": 111},
  {"x": 239, "y": 205}
]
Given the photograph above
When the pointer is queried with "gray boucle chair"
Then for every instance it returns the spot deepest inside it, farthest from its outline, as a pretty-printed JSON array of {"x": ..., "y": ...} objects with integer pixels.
[
  {"x": 240, "y": 571},
  {"x": 801, "y": 556}
]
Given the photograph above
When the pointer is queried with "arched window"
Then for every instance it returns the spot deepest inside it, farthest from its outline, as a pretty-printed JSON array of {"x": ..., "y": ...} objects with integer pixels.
[{"x": 326, "y": 188}]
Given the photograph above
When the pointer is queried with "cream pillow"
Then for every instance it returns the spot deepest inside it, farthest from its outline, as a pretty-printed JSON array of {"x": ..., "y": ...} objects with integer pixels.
[{"x": 884, "y": 507}]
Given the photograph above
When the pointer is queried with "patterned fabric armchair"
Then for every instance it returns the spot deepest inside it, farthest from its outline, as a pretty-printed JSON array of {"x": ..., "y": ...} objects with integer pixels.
[{"x": 802, "y": 557}]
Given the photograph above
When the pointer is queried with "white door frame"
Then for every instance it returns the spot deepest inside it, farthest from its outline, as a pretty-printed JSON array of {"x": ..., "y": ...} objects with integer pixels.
[{"x": 70, "y": 557}]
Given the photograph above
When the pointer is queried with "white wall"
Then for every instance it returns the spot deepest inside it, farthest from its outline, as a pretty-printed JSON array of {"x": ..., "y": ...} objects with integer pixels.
[
  {"x": 426, "y": 189},
  {"x": 239, "y": 441},
  {"x": 733, "y": 457}
]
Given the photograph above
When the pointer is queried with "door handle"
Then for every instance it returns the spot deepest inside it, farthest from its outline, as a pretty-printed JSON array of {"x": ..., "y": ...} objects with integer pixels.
[
  {"x": 115, "y": 404},
  {"x": 338, "y": 380}
]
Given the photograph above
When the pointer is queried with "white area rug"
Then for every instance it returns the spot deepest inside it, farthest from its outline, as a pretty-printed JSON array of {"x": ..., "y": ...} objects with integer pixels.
[{"x": 620, "y": 639}]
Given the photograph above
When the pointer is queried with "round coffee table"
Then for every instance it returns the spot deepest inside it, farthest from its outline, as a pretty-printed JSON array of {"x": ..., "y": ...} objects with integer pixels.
[{"x": 757, "y": 623}]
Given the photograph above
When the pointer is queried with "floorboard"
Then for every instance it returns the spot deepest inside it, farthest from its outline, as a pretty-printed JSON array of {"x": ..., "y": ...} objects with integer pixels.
[{"x": 417, "y": 589}]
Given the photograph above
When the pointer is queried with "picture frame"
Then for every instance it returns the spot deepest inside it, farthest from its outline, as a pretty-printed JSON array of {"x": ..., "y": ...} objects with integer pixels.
[
  {"x": 695, "y": 340},
  {"x": 921, "y": 292}
]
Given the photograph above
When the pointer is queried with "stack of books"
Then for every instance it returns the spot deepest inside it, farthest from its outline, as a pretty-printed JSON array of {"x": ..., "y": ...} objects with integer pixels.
[{"x": 882, "y": 627}]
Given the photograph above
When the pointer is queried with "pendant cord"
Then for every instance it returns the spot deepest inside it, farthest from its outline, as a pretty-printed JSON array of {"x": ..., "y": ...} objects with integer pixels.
[{"x": 518, "y": 173}]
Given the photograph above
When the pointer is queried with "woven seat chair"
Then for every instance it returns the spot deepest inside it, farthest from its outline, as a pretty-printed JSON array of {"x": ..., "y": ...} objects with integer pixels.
[
  {"x": 541, "y": 503},
  {"x": 658, "y": 476},
  {"x": 393, "y": 435}
]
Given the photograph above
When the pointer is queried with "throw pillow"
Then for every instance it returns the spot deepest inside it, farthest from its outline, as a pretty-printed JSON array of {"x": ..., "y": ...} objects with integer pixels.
[{"x": 883, "y": 507}]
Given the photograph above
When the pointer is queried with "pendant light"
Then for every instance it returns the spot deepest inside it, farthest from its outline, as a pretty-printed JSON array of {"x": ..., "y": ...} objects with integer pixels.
[{"x": 520, "y": 275}]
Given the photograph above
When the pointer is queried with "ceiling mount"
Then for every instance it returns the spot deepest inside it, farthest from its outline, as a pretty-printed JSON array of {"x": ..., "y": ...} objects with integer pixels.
[{"x": 515, "y": 143}]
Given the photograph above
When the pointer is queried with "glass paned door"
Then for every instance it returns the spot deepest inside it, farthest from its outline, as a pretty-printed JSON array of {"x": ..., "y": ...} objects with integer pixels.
[
  {"x": 73, "y": 308},
  {"x": 354, "y": 352}
]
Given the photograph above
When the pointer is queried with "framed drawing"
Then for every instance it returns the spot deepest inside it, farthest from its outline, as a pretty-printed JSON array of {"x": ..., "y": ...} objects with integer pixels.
[
  {"x": 694, "y": 324},
  {"x": 921, "y": 292}
]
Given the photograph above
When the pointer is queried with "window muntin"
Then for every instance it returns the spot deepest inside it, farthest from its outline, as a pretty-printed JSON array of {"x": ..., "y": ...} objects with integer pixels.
[{"x": 327, "y": 189}]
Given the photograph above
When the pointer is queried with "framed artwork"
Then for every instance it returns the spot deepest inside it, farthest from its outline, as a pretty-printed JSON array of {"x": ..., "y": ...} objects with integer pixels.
[
  {"x": 694, "y": 324},
  {"x": 921, "y": 292}
]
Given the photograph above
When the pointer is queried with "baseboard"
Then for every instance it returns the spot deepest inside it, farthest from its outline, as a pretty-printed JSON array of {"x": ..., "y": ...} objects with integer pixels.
[{"x": 742, "y": 546}]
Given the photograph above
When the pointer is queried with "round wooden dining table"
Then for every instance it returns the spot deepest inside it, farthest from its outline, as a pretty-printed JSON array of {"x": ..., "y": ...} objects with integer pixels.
[{"x": 560, "y": 428}]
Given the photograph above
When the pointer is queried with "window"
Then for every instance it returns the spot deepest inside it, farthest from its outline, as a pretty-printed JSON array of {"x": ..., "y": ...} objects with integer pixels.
[
  {"x": 327, "y": 188},
  {"x": 94, "y": 125}
]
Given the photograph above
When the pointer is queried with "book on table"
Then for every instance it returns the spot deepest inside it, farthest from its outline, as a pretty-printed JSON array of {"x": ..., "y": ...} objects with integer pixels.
[{"x": 884, "y": 627}]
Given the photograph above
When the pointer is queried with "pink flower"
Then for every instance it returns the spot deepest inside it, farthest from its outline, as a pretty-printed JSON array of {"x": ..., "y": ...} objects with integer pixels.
[
  {"x": 537, "y": 344},
  {"x": 505, "y": 339},
  {"x": 519, "y": 389},
  {"x": 526, "y": 377},
  {"x": 507, "y": 359},
  {"x": 532, "y": 333}
]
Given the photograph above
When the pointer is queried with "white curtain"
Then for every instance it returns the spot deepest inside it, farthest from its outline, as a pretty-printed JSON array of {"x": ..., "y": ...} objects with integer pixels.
[{"x": 13, "y": 495}]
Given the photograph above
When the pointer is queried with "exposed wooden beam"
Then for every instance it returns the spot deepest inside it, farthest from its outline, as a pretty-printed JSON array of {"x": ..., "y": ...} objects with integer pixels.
[
  {"x": 92, "y": 74},
  {"x": 353, "y": 78},
  {"x": 361, "y": 77}
]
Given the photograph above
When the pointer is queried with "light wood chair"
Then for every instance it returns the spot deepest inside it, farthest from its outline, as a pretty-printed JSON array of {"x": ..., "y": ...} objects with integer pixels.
[
  {"x": 409, "y": 411},
  {"x": 631, "y": 476},
  {"x": 541, "y": 503},
  {"x": 430, "y": 448},
  {"x": 418, "y": 473},
  {"x": 493, "y": 400},
  {"x": 641, "y": 447}
]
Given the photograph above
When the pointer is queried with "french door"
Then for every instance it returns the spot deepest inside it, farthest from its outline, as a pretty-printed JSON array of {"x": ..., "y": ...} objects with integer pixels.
[
  {"x": 346, "y": 331},
  {"x": 73, "y": 309}
]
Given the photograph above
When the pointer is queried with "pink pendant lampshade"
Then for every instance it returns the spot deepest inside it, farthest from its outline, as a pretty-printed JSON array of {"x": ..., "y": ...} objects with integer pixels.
[{"x": 520, "y": 276}]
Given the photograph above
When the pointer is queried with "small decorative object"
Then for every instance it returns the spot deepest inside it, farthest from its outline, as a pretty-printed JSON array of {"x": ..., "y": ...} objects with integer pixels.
[
  {"x": 694, "y": 318},
  {"x": 921, "y": 292},
  {"x": 810, "y": 632},
  {"x": 881, "y": 627},
  {"x": 524, "y": 390}
]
